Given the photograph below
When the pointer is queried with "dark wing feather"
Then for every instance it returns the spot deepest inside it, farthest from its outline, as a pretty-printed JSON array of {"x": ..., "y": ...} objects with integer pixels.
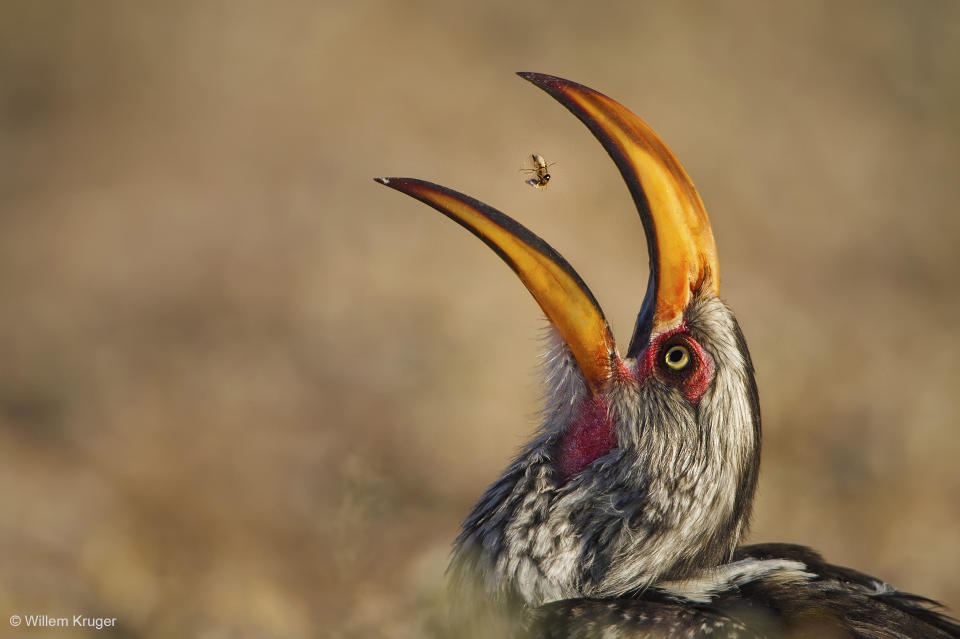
[
  {"x": 834, "y": 602},
  {"x": 865, "y": 605},
  {"x": 633, "y": 619}
]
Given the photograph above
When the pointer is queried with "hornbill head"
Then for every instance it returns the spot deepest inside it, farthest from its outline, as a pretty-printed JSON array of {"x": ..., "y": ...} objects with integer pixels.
[{"x": 645, "y": 466}]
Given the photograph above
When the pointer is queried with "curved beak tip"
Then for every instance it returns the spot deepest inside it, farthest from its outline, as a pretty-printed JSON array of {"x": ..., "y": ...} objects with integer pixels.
[{"x": 544, "y": 80}]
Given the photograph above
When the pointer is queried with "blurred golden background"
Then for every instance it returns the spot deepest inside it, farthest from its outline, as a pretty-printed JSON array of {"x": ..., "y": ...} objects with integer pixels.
[{"x": 245, "y": 391}]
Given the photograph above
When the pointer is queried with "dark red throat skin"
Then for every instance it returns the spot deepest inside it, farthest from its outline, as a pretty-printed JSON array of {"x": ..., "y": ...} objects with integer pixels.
[{"x": 590, "y": 437}]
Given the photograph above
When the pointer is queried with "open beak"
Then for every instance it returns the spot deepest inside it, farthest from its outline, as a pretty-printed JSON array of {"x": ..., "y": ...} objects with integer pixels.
[{"x": 680, "y": 243}]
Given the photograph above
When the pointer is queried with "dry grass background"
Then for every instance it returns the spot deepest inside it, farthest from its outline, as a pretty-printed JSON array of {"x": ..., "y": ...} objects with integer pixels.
[{"x": 245, "y": 391}]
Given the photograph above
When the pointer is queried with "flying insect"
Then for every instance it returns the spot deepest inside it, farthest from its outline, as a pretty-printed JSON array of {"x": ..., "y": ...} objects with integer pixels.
[{"x": 540, "y": 176}]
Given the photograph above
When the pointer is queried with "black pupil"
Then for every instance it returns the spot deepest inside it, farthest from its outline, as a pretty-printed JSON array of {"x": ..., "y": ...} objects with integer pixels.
[{"x": 675, "y": 355}]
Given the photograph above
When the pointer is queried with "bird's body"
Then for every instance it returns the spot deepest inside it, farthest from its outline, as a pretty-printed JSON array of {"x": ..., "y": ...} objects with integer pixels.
[{"x": 623, "y": 516}]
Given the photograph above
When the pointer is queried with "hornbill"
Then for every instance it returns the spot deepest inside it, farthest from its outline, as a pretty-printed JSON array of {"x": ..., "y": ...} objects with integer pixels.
[{"x": 623, "y": 516}]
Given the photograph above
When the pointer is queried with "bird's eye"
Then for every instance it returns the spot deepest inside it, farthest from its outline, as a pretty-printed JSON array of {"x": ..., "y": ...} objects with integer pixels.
[
  {"x": 677, "y": 357},
  {"x": 546, "y": 177}
]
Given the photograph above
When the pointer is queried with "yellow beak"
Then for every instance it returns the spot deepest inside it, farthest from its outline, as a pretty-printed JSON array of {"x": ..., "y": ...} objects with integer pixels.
[
  {"x": 559, "y": 291},
  {"x": 683, "y": 256}
]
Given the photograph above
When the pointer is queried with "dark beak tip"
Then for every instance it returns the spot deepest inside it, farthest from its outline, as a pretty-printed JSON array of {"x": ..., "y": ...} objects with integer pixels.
[
  {"x": 539, "y": 79},
  {"x": 396, "y": 183}
]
